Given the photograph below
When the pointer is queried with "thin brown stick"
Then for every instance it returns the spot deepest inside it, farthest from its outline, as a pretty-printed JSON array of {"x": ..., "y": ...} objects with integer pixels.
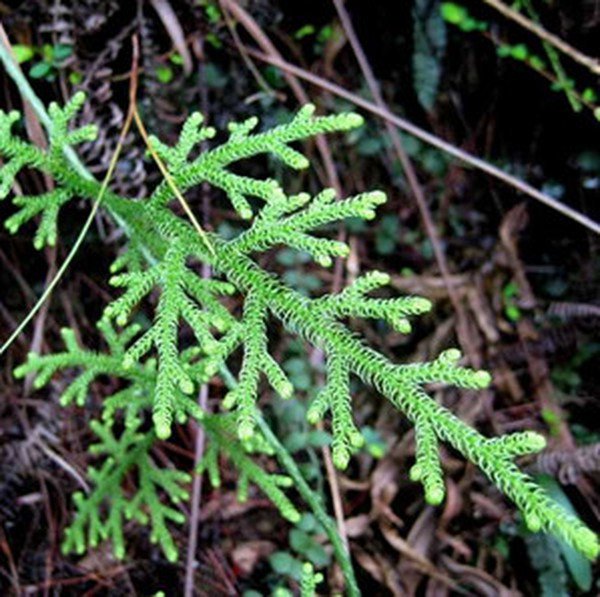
[
  {"x": 336, "y": 496},
  {"x": 415, "y": 186},
  {"x": 39, "y": 326},
  {"x": 260, "y": 80},
  {"x": 192, "y": 546},
  {"x": 252, "y": 27},
  {"x": 593, "y": 64},
  {"x": 431, "y": 139},
  {"x": 200, "y": 439},
  {"x": 171, "y": 23}
]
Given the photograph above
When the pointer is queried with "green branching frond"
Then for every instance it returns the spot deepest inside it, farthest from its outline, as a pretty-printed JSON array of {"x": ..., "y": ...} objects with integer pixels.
[
  {"x": 206, "y": 367},
  {"x": 184, "y": 297},
  {"x": 48, "y": 205},
  {"x": 427, "y": 468},
  {"x": 352, "y": 302},
  {"x": 257, "y": 360},
  {"x": 102, "y": 513},
  {"x": 211, "y": 166},
  {"x": 495, "y": 457},
  {"x": 21, "y": 154},
  {"x": 162, "y": 364},
  {"x": 90, "y": 364},
  {"x": 192, "y": 134},
  {"x": 221, "y": 430},
  {"x": 61, "y": 135},
  {"x": 285, "y": 221},
  {"x": 131, "y": 259},
  {"x": 403, "y": 385},
  {"x": 335, "y": 396},
  {"x": 15, "y": 152}
]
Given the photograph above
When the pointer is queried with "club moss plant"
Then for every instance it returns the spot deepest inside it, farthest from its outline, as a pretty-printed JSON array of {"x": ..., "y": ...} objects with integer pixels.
[{"x": 194, "y": 334}]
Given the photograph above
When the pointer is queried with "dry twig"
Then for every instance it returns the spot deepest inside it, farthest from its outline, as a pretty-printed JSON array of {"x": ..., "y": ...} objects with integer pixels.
[{"x": 403, "y": 124}]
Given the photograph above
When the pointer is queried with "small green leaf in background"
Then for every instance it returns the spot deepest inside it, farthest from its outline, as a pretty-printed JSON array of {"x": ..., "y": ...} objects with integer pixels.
[
  {"x": 503, "y": 50},
  {"x": 22, "y": 53},
  {"x": 453, "y": 13},
  {"x": 47, "y": 51},
  {"x": 374, "y": 443},
  {"x": 213, "y": 40},
  {"x": 355, "y": 225},
  {"x": 585, "y": 436},
  {"x": 434, "y": 162},
  {"x": 318, "y": 438},
  {"x": 40, "y": 70},
  {"x": 284, "y": 563},
  {"x": 164, "y": 74},
  {"x": 552, "y": 420},
  {"x": 309, "y": 524},
  {"x": 566, "y": 378},
  {"x": 325, "y": 34},
  {"x": 302, "y": 282},
  {"x": 61, "y": 52},
  {"x": 412, "y": 145},
  {"x": 578, "y": 565},
  {"x": 536, "y": 62},
  {"x": 519, "y": 52},
  {"x": 510, "y": 294},
  {"x": 589, "y": 95},
  {"x": 544, "y": 556},
  {"x": 458, "y": 15},
  {"x": 75, "y": 78},
  {"x": 306, "y": 545},
  {"x": 274, "y": 77},
  {"x": 291, "y": 257},
  {"x": 371, "y": 145},
  {"x": 300, "y": 372},
  {"x": 215, "y": 78},
  {"x": 387, "y": 235},
  {"x": 228, "y": 231},
  {"x": 211, "y": 10},
  {"x": 176, "y": 58},
  {"x": 304, "y": 31}
]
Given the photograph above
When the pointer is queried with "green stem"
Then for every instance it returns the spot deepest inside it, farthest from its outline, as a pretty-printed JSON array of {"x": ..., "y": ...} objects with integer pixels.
[
  {"x": 310, "y": 497},
  {"x": 313, "y": 500},
  {"x": 555, "y": 62}
]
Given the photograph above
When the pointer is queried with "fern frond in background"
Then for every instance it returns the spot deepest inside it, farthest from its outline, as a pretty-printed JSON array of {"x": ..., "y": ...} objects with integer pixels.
[
  {"x": 429, "y": 46},
  {"x": 161, "y": 373}
]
